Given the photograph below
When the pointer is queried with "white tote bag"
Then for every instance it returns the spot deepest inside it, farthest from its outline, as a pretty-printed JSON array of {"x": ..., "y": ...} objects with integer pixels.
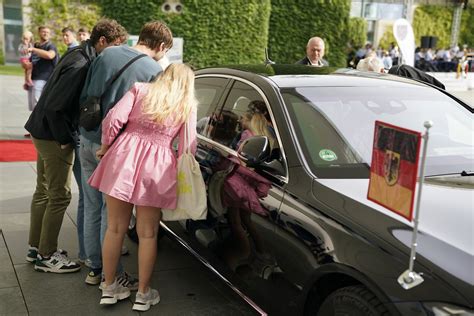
[{"x": 192, "y": 201}]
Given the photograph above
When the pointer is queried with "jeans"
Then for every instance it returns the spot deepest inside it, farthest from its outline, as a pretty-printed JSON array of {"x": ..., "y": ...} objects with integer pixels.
[
  {"x": 95, "y": 212},
  {"x": 52, "y": 194},
  {"x": 76, "y": 169},
  {"x": 34, "y": 93}
]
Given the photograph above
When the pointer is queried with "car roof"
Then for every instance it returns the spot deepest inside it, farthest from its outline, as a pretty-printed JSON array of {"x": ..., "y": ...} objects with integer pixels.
[{"x": 286, "y": 76}]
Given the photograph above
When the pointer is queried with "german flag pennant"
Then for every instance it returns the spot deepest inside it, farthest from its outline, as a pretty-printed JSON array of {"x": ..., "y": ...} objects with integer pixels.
[{"x": 394, "y": 168}]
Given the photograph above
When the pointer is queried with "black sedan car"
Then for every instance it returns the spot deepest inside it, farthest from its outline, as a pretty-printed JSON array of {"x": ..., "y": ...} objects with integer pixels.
[{"x": 285, "y": 153}]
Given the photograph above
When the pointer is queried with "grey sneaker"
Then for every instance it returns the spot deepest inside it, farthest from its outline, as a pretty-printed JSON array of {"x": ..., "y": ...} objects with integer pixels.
[
  {"x": 126, "y": 280},
  {"x": 143, "y": 302},
  {"x": 113, "y": 293},
  {"x": 57, "y": 263}
]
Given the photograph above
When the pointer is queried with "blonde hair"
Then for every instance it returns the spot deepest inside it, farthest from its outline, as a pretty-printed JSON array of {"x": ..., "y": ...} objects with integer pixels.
[
  {"x": 259, "y": 126},
  {"x": 28, "y": 34},
  {"x": 371, "y": 63},
  {"x": 171, "y": 97}
]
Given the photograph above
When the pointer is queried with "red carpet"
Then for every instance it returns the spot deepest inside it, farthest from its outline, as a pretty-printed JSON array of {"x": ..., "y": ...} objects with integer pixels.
[{"x": 17, "y": 150}]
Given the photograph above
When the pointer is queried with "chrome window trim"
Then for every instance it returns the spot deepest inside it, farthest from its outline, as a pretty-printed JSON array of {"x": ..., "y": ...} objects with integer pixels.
[
  {"x": 293, "y": 135},
  {"x": 264, "y": 97}
]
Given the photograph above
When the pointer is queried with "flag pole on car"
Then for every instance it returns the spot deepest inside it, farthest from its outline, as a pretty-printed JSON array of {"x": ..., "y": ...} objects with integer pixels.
[
  {"x": 393, "y": 175},
  {"x": 410, "y": 278}
]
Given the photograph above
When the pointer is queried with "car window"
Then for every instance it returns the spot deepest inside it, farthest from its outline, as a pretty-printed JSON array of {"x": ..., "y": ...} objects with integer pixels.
[
  {"x": 208, "y": 93},
  {"x": 335, "y": 126},
  {"x": 243, "y": 114}
]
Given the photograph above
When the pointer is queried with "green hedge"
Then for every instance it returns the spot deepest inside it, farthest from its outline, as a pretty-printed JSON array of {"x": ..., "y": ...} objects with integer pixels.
[
  {"x": 435, "y": 21},
  {"x": 293, "y": 22},
  {"x": 58, "y": 14},
  {"x": 357, "y": 31},
  {"x": 213, "y": 32},
  {"x": 467, "y": 27},
  {"x": 387, "y": 38}
]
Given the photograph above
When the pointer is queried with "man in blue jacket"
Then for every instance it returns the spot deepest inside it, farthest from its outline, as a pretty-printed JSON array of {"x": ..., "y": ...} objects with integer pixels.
[{"x": 53, "y": 126}]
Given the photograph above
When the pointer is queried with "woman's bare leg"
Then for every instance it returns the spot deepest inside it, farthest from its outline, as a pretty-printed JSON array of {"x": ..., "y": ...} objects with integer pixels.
[
  {"x": 118, "y": 218},
  {"x": 148, "y": 223}
]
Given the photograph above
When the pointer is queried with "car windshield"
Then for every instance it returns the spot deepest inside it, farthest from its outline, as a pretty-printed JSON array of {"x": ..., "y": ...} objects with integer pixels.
[{"x": 335, "y": 126}]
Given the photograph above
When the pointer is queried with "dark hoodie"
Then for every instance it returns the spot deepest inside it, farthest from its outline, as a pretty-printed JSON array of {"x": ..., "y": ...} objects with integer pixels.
[{"x": 56, "y": 113}]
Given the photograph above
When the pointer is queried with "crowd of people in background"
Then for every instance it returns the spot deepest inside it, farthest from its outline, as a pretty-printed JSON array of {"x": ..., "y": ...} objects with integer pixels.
[{"x": 451, "y": 59}]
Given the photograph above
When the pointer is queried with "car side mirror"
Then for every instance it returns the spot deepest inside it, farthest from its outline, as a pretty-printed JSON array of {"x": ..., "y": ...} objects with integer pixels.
[{"x": 254, "y": 150}]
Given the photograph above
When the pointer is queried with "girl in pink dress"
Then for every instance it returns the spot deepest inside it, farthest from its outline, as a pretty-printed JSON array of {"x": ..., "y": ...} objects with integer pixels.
[
  {"x": 243, "y": 188},
  {"x": 138, "y": 167}
]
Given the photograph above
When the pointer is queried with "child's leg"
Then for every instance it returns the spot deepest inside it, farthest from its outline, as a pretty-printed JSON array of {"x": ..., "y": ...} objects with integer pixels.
[{"x": 28, "y": 80}]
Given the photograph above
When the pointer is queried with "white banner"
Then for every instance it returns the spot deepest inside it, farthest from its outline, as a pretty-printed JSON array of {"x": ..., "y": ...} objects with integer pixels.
[{"x": 403, "y": 33}]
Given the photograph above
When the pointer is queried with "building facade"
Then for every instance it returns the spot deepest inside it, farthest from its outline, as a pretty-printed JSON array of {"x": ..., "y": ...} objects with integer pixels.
[{"x": 13, "y": 15}]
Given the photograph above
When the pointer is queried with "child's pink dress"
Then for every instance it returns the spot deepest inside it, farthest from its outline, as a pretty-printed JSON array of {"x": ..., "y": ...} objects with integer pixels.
[
  {"x": 243, "y": 188},
  {"x": 140, "y": 166}
]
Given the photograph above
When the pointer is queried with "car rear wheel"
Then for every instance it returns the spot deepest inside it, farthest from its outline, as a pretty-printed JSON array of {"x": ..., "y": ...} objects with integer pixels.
[{"x": 352, "y": 301}]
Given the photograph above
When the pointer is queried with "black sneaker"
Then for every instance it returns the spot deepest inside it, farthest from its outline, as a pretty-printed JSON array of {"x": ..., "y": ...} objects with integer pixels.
[
  {"x": 57, "y": 263},
  {"x": 33, "y": 254}
]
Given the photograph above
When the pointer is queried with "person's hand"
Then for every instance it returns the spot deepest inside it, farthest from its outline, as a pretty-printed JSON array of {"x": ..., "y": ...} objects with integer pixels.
[
  {"x": 101, "y": 152},
  {"x": 65, "y": 146}
]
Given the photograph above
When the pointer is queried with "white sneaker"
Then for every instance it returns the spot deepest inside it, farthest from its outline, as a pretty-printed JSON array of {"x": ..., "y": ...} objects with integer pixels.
[
  {"x": 57, "y": 263},
  {"x": 113, "y": 293},
  {"x": 143, "y": 302}
]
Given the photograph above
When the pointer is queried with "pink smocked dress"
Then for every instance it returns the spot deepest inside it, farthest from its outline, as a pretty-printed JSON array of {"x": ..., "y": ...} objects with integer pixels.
[
  {"x": 243, "y": 188},
  {"x": 140, "y": 166}
]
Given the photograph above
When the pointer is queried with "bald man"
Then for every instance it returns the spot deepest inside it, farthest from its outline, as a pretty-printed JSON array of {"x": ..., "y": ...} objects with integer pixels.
[{"x": 314, "y": 53}]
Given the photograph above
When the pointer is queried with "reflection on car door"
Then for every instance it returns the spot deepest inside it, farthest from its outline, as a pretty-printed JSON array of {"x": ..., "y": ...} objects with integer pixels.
[{"x": 243, "y": 203}]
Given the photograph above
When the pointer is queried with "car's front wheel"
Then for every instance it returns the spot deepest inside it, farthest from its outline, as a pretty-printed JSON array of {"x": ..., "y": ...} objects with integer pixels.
[{"x": 352, "y": 301}]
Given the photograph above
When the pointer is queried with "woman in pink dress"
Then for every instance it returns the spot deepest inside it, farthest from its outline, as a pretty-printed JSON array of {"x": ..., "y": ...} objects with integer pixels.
[{"x": 138, "y": 167}]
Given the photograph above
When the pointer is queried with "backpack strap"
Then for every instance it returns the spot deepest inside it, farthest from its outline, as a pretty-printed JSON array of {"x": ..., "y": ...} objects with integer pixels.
[{"x": 114, "y": 77}]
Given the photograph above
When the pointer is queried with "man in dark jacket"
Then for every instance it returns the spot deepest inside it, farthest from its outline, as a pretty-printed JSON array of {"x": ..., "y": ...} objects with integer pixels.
[
  {"x": 53, "y": 125},
  {"x": 314, "y": 53}
]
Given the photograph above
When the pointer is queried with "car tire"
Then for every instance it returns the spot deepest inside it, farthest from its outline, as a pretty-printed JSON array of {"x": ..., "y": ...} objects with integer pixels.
[{"x": 353, "y": 301}]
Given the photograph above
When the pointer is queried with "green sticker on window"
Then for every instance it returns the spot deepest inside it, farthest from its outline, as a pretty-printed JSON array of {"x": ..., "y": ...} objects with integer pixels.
[{"x": 327, "y": 155}]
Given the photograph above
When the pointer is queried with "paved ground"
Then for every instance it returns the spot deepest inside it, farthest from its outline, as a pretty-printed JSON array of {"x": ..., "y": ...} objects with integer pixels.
[{"x": 186, "y": 286}]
